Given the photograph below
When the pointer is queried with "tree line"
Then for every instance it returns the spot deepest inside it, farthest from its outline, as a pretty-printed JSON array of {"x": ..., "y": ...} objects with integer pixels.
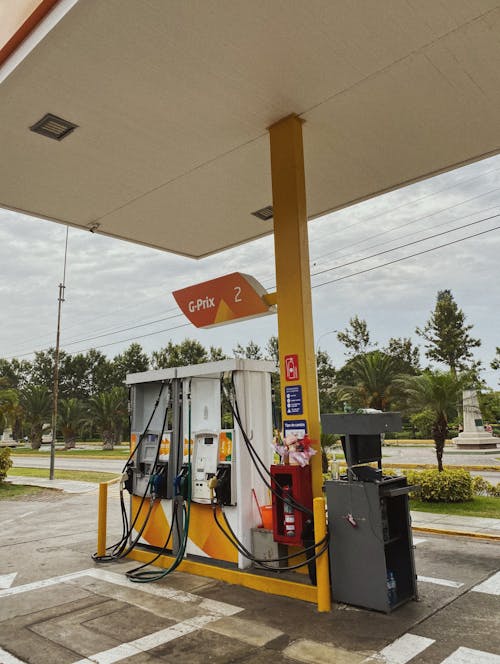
[{"x": 93, "y": 399}]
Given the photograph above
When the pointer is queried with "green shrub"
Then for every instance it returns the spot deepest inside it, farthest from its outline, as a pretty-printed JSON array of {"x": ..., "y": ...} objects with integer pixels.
[
  {"x": 5, "y": 462},
  {"x": 448, "y": 486},
  {"x": 480, "y": 486}
]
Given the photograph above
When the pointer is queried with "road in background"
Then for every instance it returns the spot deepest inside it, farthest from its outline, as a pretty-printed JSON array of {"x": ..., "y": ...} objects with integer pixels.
[{"x": 403, "y": 454}]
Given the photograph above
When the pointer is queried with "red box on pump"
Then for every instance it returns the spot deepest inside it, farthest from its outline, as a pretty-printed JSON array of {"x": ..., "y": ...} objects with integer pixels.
[{"x": 292, "y": 494}]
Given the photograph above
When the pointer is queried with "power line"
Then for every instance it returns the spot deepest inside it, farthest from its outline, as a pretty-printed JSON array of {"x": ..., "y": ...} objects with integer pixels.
[
  {"x": 37, "y": 338},
  {"x": 325, "y": 283},
  {"x": 446, "y": 223},
  {"x": 125, "y": 329},
  {"x": 109, "y": 332},
  {"x": 408, "y": 223},
  {"x": 106, "y": 334},
  {"x": 122, "y": 341},
  {"x": 403, "y": 258},
  {"x": 403, "y": 246},
  {"x": 435, "y": 193}
]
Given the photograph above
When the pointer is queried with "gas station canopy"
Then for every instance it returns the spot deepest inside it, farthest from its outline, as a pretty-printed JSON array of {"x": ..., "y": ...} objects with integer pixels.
[{"x": 172, "y": 101}]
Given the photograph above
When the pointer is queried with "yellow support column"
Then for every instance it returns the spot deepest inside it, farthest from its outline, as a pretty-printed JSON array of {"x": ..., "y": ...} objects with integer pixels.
[
  {"x": 322, "y": 562},
  {"x": 293, "y": 281}
]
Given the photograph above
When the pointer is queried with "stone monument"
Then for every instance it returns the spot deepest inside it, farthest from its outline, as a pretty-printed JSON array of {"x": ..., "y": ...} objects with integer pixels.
[{"x": 474, "y": 437}]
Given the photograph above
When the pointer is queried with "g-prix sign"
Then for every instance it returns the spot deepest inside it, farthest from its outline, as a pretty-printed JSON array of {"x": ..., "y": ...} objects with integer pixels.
[{"x": 233, "y": 297}]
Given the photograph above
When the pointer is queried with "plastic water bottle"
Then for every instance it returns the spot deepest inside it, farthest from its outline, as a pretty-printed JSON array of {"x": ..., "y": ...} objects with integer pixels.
[{"x": 392, "y": 595}]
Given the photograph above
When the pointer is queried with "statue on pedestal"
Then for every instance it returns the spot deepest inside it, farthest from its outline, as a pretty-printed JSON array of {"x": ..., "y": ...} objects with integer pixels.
[{"x": 474, "y": 436}]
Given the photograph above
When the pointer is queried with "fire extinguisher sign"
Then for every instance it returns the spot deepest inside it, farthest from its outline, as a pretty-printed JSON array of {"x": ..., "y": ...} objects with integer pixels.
[{"x": 292, "y": 367}]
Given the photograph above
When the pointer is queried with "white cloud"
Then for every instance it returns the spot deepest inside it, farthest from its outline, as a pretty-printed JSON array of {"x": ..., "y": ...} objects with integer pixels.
[{"x": 113, "y": 284}]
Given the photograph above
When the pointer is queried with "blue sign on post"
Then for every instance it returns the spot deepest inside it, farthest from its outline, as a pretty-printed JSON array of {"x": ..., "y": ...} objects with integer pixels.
[{"x": 293, "y": 400}]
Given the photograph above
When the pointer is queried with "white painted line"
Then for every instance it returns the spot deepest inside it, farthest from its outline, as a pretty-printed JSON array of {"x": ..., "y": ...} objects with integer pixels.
[
  {"x": 7, "y": 658},
  {"x": 149, "y": 642},
  {"x": 469, "y": 656},
  {"x": 419, "y": 540},
  {"x": 214, "y": 608},
  {"x": 113, "y": 655},
  {"x": 210, "y": 605},
  {"x": 491, "y": 586},
  {"x": 6, "y": 580},
  {"x": 439, "y": 582},
  {"x": 403, "y": 649},
  {"x": 25, "y": 514},
  {"x": 44, "y": 583},
  {"x": 221, "y": 608}
]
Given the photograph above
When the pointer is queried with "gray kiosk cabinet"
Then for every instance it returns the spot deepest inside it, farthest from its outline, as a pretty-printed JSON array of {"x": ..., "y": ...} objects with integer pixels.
[{"x": 371, "y": 547}]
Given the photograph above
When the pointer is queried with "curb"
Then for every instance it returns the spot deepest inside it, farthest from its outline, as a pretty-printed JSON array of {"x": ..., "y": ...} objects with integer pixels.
[
  {"x": 430, "y": 466},
  {"x": 456, "y": 533}
]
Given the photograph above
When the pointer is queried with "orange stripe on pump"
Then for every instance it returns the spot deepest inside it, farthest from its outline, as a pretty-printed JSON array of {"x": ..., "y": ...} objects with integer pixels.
[
  {"x": 203, "y": 530},
  {"x": 157, "y": 526}
]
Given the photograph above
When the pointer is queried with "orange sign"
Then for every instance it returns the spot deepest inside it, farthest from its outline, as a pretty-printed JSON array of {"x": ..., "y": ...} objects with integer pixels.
[{"x": 233, "y": 297}]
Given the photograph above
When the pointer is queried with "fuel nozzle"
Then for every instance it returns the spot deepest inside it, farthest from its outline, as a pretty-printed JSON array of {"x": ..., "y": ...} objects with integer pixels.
[{"x": 212, "y": 485}]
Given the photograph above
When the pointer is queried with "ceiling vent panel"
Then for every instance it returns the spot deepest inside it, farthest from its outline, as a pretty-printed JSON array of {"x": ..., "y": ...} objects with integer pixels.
[
  {"x": 53, "y": 127},
  {"x": 264, "y": 213}
]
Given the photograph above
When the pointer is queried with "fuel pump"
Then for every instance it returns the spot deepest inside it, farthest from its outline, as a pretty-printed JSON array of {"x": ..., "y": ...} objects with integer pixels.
[
  {"x": 197, "y": 433},
  {"x": 193, "y": 481},
  {"x": 150, "y": 442},
  {"x": 205, "y": 458}
]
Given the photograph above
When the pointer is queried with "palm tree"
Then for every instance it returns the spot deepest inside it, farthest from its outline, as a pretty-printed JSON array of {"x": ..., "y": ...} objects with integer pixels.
[
  {"x": 438, "y": 392},
  {"x": 371, "y": 381},
  {"x": 71, "y": 416},
  {"x": 107, "y": 412},
  {"x": 9, "y": 401},
  {"x": 36, "y": 405}
]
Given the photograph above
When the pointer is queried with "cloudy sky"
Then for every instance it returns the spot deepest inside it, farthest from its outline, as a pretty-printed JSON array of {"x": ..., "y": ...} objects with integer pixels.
[{"x": 114, "y": 286}]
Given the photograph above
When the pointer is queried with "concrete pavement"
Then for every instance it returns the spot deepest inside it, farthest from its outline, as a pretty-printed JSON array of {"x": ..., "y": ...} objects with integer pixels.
[{"x": 56, "y": 605}]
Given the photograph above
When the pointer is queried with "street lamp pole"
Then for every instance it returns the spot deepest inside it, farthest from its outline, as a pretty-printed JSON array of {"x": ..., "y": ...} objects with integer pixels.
[
  {"x": 55, "y": 391},
  {"x": 323, "y": 335}
]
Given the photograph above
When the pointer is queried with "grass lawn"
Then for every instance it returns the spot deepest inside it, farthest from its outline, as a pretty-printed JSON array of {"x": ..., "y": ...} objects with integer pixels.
[
  {"x": 76, "y": 453},
  {"x": 478, "y": 506},
  {"x": 78, "y": 475},
  {"x": 14, "y": 490}
]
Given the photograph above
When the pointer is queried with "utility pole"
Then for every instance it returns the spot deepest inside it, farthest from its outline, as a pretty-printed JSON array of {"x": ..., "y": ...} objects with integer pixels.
[{"x": 55, "y": 391}]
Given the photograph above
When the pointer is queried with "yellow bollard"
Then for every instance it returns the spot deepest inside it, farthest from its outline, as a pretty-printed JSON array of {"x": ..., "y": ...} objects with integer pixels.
[
  {"x": 322, "y": 563},
  {"x": 102, "y": 519}
]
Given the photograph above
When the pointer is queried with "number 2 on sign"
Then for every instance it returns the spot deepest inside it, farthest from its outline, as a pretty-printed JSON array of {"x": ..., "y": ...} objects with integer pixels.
[{"x": 237, "y": 294}]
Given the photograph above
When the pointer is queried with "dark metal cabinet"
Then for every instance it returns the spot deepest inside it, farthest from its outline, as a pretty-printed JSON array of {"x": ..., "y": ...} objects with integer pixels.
[{"x": 370, "y": 537}]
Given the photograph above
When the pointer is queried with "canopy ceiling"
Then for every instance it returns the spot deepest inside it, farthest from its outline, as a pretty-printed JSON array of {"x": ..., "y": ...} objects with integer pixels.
[{"x": 172, "y": 100}]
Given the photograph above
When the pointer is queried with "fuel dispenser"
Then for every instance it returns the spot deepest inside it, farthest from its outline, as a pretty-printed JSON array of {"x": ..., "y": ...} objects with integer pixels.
[
  {"x": 187, "y": 453},
  {"x": 200, "y": 467}
]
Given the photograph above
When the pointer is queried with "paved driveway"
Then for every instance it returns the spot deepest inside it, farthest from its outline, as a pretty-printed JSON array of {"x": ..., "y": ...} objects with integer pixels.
[{"x": 58, "y": 606}]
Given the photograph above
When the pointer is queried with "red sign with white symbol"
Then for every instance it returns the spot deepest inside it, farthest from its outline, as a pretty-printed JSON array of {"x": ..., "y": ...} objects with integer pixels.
[
  {"x": 291, "y": 367},
  {"x": 233, "y": 297}
]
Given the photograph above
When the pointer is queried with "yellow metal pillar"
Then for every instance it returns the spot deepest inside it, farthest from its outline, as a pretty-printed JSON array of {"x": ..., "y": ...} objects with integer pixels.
[
  {"x": 102, "y": 519},
  {"x": 293, "y": 282},
  {"x": 322, "y": 563}
]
